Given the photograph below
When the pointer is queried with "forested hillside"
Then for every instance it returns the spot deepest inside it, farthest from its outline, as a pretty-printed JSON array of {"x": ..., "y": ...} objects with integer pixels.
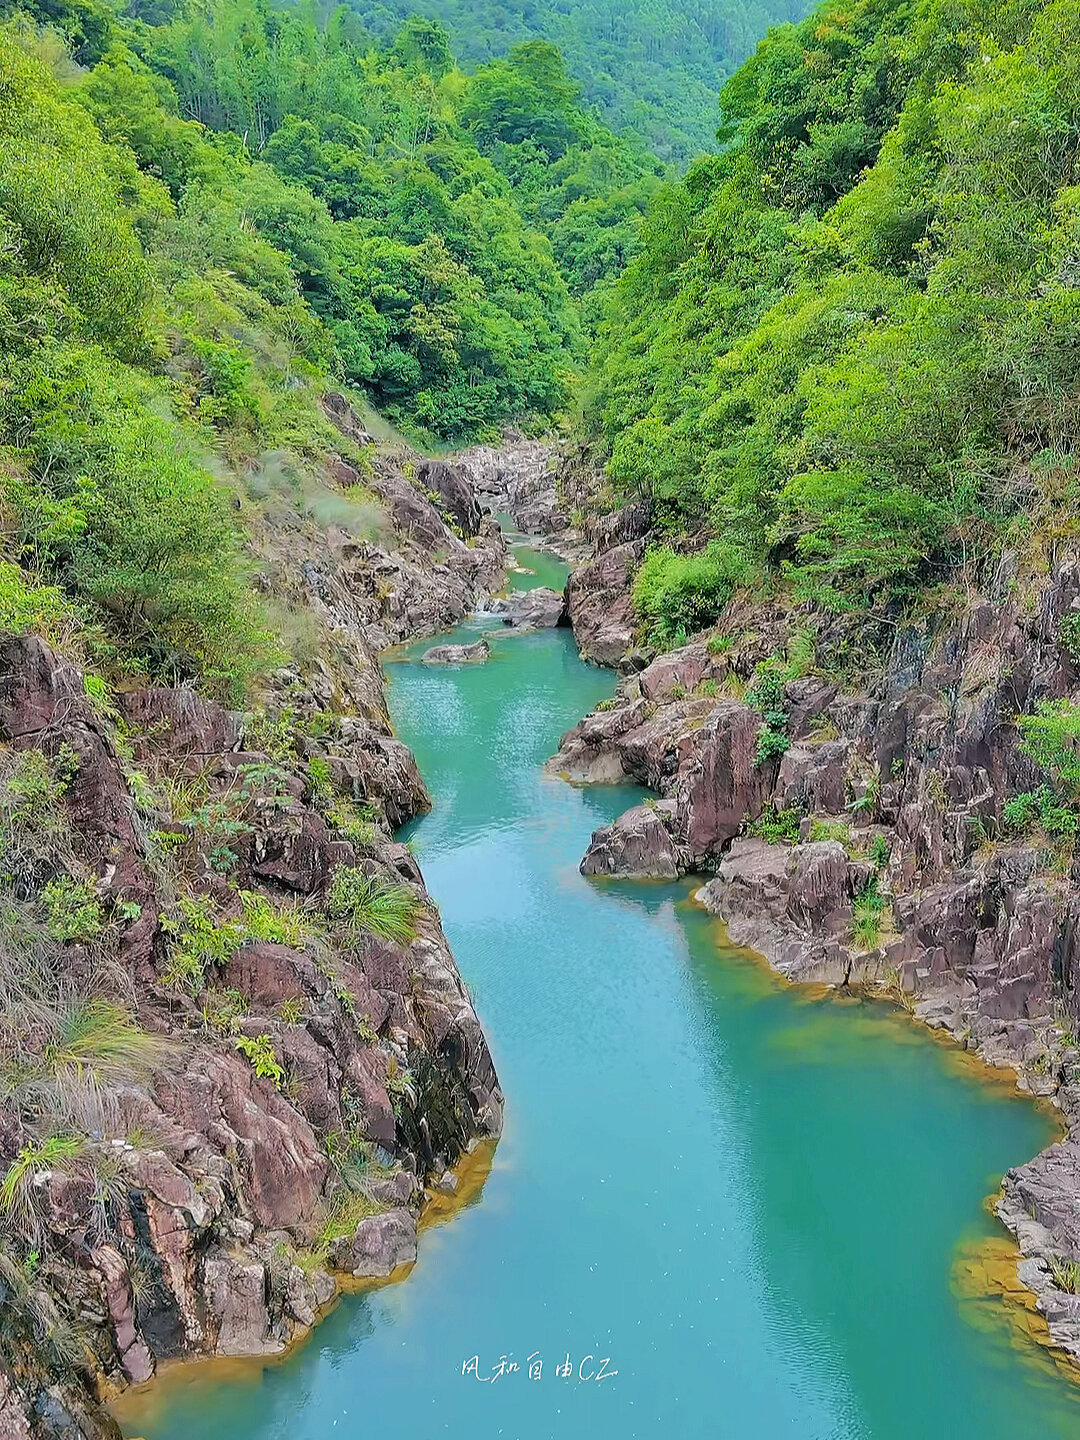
[
  {"x": 848, "y": 358},
  {"x": 206, "y": 222},
  {"x": 652, "y": 66}
]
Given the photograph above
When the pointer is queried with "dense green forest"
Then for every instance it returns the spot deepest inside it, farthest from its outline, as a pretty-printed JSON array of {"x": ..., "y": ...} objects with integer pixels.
[
  {"x": 849, "y": 353},
  {"x": 652, "y": 66},
  {"x": 207, "y": 220}
]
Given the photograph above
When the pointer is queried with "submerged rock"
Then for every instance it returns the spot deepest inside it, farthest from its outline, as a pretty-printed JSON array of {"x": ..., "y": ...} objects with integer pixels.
[{"x": 457, "y": 654}]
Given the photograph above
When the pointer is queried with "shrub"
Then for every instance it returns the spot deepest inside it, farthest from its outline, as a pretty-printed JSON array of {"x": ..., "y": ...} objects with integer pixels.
[
  {"x": 361, "y": 902},
  {"x": 677, "y": 595},
  {"x": 264, "y": 921},
  {"x": 128, "y": 520},
  {"x": 19, "y": 1193},
  {"x": 776, "y": 826},
  {"x": 73, "y": 908},
  {"x": 292, "y": 1009},
  {"x": 25, "y": 607},
  {"x": 261, "y": 1056},
  {"x": 1043, "y": 808},
  {"x": 767, "y": 694},
  {"x": 1051, "y": 738},
  {"x": 201, "y": 939},
  {"x": 831, "y": 830},
  {"x": 223, "y": 1010},
  {"x": 198, "y": 940}
]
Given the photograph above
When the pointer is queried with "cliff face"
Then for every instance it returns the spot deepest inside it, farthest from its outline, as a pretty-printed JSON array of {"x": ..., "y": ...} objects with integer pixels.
[
  {"x": 241, "y": 1047},
  {"x": 848, "y": 813}
]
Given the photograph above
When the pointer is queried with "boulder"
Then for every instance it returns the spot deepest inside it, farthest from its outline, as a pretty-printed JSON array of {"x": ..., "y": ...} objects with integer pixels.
[
  {"x": 377, "y": 1246},
  {"x": 599, "y": 603},
  {"x": 638, "y": 845},
  {"x": 537, "y": 609},
  {"x": 455, "y": 495},
  {"x": 474, "y": 654},
  {"x": 725, "y": 785}
]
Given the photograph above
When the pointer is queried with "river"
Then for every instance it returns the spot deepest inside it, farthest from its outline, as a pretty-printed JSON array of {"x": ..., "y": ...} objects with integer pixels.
[{"x": 751, "y": 1203}]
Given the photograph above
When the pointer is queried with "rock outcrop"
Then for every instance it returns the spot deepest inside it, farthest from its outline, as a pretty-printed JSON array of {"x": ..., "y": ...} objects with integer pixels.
[
  {"x": 520, "y": 479},
  {"x": 303, "y": 1076}
]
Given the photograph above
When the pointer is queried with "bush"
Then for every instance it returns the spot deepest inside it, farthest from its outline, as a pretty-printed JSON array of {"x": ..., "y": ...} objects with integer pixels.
[
  {"x": 1042, "y": 808},
  {"x": 262, "y": 1057},
  {"x": 767, "y": 693},
  {"x": 1051, "y": 737},
  {"x": 678, "y": 595},
  {"x": 867, "y": 917},
  {"x": 128, "y": 521},
  {"x": 73, "y": 908},
  {"x": 776, "y": 826},
  {"x": 831, "y": 830},
  {"x": 26, "y": 607}
]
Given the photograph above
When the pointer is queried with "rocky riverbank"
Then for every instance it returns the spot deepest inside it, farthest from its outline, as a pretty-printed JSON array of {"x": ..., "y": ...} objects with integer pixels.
[
  {"x": 841, "y": 785},
  {"x": 245, "y": 1047}
]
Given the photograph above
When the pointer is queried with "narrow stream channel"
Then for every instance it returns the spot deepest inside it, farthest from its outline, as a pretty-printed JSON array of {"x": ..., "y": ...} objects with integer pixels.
[{"x": 749, "y": 1203}]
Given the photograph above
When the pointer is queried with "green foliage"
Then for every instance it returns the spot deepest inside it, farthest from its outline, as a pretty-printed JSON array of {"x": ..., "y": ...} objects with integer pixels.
[
  {"x": 200, "y": 938},
  {"x": 651, "y": 68},
  {"x": 1064, "y": 1273},
  {"x": 342, "y": 1213},
  {"x": 1042, "y": 809},
  {"x": 1070, "y": 635},
  {"x": 359, "y": 902},
  {"x": 17, "y": 1199},
  {"x": 223, "y": 1010},
  {"x": 832, "y": 830},
  {"x": 278, "y": 925},
  {"x": 102, "y": 1038},
  {"x": 678, "y": 595},
  {"x": 868, "y": 917},
  {"x": 777, "y": 826},
  {"x": 1050, "y": 737},
  {"x": 767, "y": 693},
  {"x": 73, "y": 908},
  {"x": 259, "y": 1052},
  {"x": 848, "y": 346},
  {"x": 879, "y": 852},
  {"x": 26, "y": 607}
]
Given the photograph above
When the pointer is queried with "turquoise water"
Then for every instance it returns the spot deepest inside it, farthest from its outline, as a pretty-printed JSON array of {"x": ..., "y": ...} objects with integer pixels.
[{"x": 748, "y": 1203}]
